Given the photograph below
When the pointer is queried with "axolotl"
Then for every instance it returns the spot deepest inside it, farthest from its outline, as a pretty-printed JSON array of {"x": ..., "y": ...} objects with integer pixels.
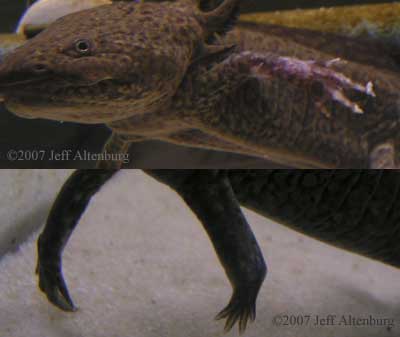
[{"x": 179, "y": 72}]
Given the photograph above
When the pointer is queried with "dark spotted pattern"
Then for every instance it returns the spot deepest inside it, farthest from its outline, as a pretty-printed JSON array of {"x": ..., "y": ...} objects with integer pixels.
[
  {"x": 134, "y": 63},
  {"x": 151, "y": 72}
]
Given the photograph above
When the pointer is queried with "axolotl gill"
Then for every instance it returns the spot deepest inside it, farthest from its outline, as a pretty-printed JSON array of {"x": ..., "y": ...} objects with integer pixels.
[{"x": 178, "y": 71}]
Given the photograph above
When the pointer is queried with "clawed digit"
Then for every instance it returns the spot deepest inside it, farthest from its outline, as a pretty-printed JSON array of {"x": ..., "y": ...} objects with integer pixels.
[
  {"x": 333, "y": 82},
  {"x": 241, "y": 309},
  {"x": 51, "y": 282}
]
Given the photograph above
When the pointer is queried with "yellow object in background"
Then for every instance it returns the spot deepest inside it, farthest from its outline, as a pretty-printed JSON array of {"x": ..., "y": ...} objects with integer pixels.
[
  {"x": 377, "y": 20},
  {"x": 8, "y": 42}
]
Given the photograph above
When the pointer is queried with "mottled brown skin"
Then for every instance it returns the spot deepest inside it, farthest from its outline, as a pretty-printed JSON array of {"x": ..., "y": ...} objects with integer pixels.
[
  {"x": 156, "y": 71},
  {"x": 120, "y": 74},
  {"x": 278, "y": 117}
]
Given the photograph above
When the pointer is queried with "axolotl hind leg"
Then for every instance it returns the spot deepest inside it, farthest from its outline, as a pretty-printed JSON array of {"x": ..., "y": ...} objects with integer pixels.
[
  {"x": 210, "y": 196},
  {"x": 70, "y": 204}
]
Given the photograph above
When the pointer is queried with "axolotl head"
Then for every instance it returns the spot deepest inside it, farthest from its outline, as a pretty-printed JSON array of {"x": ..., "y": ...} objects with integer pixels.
[{"x": 108, "y": 63}]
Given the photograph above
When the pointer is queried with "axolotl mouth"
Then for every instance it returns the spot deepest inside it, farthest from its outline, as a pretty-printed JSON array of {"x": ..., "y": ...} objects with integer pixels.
[
  {"x": 19, "y": 91},
  {"x": 57, "y": 99},
  {"x": 8, "y": 44},
  {"x": 34, "y": 90}
]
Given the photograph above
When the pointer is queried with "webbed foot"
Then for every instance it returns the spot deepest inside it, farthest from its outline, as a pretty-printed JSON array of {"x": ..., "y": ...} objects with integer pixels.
[{"x": 51, "y": 280}]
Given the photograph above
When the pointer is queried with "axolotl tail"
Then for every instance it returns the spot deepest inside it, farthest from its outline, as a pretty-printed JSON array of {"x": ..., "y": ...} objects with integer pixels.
[{"x": 356, "y": 210}]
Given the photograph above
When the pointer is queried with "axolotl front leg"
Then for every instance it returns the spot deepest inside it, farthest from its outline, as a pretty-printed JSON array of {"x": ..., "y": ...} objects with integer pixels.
[
  {"x": 295, "y": 112},
  {"x": 208, "y": 90},
  {"x": 208, "y": 193}
]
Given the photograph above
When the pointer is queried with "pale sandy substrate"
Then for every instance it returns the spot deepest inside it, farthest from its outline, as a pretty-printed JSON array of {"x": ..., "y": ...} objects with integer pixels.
[
  {"x": 139, "y": 264},
  {"x": 25, "y": 199}
]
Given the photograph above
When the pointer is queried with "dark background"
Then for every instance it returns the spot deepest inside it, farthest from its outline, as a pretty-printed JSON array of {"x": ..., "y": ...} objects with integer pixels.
[{"x": 22, "y": 134}]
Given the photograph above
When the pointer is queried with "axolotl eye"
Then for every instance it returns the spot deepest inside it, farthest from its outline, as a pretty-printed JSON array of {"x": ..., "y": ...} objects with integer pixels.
[{"x": 83, "y": 47}]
